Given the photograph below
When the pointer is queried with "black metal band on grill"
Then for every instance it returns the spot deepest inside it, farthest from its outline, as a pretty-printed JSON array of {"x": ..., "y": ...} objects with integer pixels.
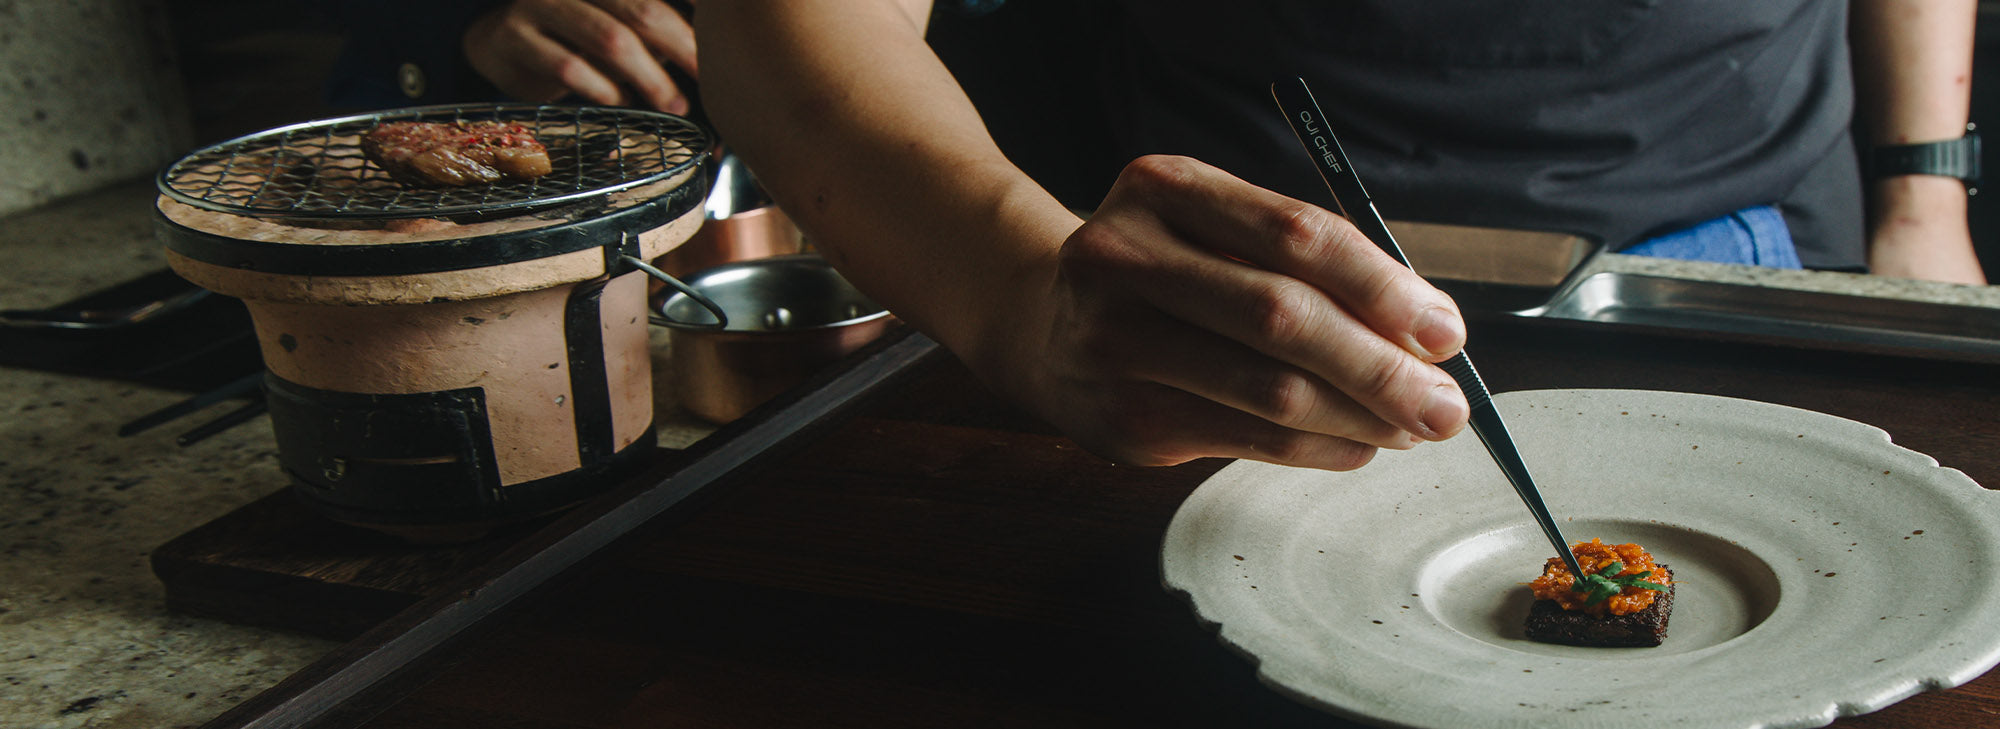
[
  {"x": 390, "y": 259},
  {"x": 413, "y": 451},
  {"x": 617, "y": 257},
  {"x": 589, "y": 383},
  {"x": 523, "y": 500}
]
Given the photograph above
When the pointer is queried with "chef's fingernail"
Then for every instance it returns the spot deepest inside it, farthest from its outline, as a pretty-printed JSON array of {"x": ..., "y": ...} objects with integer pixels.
[
  {"x": 1439, "y": 332},
  {"x": 1444, "y": 408}
]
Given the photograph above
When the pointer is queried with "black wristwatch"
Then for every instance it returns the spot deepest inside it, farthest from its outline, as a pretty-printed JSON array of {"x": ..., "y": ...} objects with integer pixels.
[{"x": 1958, "y": 158}]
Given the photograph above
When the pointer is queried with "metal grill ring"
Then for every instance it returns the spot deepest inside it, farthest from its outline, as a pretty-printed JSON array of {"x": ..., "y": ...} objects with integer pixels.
[{"x": 316, "y": 170}]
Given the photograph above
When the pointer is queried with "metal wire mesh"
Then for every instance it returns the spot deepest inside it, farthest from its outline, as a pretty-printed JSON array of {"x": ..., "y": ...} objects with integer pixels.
[{"x": 316, "y": 170}]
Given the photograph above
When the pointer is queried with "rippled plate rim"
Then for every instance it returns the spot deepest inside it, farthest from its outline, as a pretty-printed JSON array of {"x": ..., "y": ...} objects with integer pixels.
[{"x": 1235, "y": 529}]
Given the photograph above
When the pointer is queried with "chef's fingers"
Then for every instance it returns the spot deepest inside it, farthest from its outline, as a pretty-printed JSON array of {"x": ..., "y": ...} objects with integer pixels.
[
  {"x": 660, "y": 27},
  {"x": 509, "y": 48},
  {"x": 1135, "y": 237},
  {"x": 1165, "y": 350},
  {"x": 568, "y": 71},
  {"x": 1155, "y": 425},
  {"x": 1311, "y": 244},
  {"x": 612, "y": 47}
]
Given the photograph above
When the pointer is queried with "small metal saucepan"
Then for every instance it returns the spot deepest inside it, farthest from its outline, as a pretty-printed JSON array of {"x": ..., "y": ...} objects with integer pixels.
[{"x": 788, "y": 316}]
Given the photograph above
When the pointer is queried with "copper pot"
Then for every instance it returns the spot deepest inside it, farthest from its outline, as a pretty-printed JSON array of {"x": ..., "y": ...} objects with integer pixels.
[
  {"x": 741, "y": 224},
  {"x": 788, "y": 317},
  {"x": 744, "y": 236}
]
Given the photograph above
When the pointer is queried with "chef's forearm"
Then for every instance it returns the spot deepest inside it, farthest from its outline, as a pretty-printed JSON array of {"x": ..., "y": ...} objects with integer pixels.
[
  {"x": 1913, "y": 68},
  {"x": 862, "y": 135},
  {"x": 1913, "y": 79}
]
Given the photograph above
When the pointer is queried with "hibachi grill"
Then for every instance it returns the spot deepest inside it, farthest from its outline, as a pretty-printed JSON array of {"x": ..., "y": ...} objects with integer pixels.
[{"x": 441, "y": 360}]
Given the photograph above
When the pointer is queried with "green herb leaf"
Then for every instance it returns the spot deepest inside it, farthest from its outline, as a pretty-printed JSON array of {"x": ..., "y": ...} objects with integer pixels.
[
  {"x": 1606, "y": 582},
  {"x": 1596, "y": 589}
]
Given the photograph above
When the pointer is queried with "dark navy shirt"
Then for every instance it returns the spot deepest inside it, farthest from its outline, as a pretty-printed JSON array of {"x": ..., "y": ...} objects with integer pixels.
[
  {"x": 1612, "y": 119},
  {"x": 404, "y": 53}
]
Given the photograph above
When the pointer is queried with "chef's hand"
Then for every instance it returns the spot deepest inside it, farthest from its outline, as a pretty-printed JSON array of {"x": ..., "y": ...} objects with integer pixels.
[
  {"x": 1920, "y": 230},
  {"x": 606, "y": 51},
  {"x": 1195, "y": 315}
]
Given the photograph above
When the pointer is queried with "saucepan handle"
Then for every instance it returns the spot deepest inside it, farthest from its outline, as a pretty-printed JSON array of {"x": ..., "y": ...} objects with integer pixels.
[{"x": 721, "y": 319}]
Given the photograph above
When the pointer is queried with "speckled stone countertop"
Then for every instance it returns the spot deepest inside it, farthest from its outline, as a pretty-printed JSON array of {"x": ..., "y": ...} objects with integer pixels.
[{"x": 85, "y": 638}]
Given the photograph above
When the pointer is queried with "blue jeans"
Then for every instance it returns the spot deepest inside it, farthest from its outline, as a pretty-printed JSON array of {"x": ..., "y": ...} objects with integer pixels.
[{"x": 1755, "y": 236}]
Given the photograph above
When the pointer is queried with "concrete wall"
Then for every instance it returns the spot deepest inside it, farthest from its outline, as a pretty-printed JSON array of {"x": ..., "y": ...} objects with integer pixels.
[{"x": 90, "y": 94}]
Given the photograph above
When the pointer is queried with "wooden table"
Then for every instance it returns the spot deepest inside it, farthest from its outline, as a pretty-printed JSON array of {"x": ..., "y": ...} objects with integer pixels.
[{"x": 937, "y": 559}]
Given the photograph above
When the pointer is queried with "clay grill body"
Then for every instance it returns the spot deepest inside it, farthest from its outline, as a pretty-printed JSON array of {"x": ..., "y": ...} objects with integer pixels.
[{"x": 439, "y": 362}]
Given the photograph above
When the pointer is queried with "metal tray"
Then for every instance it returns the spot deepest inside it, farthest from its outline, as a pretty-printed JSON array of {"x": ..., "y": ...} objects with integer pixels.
[
  {"x": 1913, "y": 327},
  {"x": 1490, "y": 269}
]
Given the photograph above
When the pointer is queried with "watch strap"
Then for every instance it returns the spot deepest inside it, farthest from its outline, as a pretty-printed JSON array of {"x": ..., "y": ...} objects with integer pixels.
[{"x": 1956, "y": 158}]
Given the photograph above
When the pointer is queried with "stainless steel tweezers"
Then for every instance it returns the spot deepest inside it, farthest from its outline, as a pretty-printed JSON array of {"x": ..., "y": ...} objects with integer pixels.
[{"x": 1295, "y": 99}]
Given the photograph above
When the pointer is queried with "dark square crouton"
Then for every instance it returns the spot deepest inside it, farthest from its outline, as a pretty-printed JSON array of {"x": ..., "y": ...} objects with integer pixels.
[{"x": 1549, "y": 623}]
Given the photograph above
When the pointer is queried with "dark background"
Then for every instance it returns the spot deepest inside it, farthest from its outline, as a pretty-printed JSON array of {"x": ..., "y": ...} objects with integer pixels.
[
  {"x": 253, "y": 64},
  {"x": 1985, "y": 209}
]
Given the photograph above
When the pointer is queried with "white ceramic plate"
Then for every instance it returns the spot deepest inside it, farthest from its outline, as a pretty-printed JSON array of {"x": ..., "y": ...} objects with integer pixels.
[{"x": 1821, "y": 571}]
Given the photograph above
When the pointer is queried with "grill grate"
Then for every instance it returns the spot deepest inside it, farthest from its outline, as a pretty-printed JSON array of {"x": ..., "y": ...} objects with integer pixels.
[{"x": 316, "y": 170}]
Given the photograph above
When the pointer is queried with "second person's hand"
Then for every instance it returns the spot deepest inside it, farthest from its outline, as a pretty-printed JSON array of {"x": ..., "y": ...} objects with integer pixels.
[{"x": 607, "y": 52}]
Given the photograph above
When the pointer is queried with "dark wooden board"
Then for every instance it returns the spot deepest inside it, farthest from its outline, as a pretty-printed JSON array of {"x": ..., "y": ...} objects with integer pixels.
[
  {"x": 908, "y": 572},
  {"x": 276, "y": 563},
  {"x": 942, "y": 561}
]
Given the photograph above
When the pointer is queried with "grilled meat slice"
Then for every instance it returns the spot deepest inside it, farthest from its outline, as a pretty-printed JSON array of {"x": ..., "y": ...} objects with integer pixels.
[{"x": 456, "y": 154}]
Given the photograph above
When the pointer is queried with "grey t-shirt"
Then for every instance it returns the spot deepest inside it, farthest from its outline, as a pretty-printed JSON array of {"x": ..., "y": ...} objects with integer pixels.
[{"x": 1613, "y": 119}]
